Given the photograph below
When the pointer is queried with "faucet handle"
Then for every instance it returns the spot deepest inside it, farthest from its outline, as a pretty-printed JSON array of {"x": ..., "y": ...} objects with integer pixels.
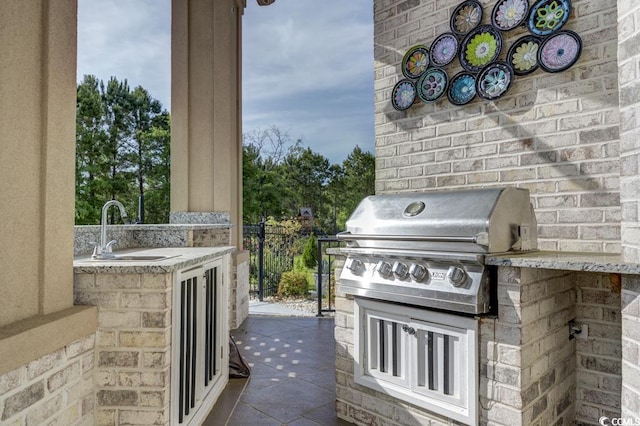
[{"x": 108, "y": 248}]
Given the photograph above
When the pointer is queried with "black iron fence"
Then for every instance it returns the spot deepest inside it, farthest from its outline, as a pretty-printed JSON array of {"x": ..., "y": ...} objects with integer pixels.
[
  {"x": 270, "y": 254},
  {"x": 326, "y": 274}
]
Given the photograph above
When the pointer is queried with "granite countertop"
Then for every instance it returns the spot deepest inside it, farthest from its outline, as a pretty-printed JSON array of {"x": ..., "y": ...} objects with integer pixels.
[
  {"x": 177, "y": 258},
  {"x": 567, "y": 261}
]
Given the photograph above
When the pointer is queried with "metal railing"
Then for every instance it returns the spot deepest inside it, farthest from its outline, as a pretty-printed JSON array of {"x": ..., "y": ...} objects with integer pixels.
[
  {"x": 270, "y": 254},
  {"x": 326, "y": 268}
]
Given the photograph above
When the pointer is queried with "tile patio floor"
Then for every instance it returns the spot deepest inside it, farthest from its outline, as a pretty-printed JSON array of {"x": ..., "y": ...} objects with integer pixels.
[{"x": 292, "y": 381}]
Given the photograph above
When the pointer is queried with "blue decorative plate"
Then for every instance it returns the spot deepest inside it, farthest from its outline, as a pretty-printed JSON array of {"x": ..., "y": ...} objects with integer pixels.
[
  {"x": 494, "y": 80},
  {"x": 443, "y": 50},
  {"x": 462, "y": 88},
  {"x": 466, "y": 17},
  {"x": 480, "y": 47},
  {"x": 559, "y": 51},
  {"x": 548, "y": 16},
  {"x": 523, "y": 55},
  {"x": 415, "y": 61},
  {"x": 403, "y": 95},
  {"x": 509, "y": 14},
  {"x": 432, "y": 84}
]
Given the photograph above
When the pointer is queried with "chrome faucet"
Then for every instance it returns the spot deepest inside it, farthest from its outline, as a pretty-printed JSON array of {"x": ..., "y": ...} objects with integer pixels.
[{"x": 104, "y": 250}]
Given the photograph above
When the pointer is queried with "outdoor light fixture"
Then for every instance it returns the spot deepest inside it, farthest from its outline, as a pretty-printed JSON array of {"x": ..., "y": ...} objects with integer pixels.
[{"x": 265, "y": 2}]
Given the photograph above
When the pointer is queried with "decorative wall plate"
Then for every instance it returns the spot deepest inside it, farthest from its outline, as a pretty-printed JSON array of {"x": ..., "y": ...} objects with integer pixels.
[
  {"x": 523, "y": 55},
  {"x": 509, "y": 14},
  {"x": 403, "y": 95},
  {"x": 415, "y": 61},
  {"x": 548, "y": 16},
  {"x": 432, "y": 84},
  {"x": 480, "y": 47},
  {"x": 494, "y": 80},
  {"x": 559, "y": 51},
  {"x": 466, "y": 17},
  {"x": 443, "y": 49},
  {"x": 462, "y": 88}
]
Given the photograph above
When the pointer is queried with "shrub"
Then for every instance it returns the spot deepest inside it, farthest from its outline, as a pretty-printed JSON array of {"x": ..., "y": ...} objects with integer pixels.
[
  {"x": 299, "y": 266},
  {"x": 292, "y": 284},
  {"x": 310, "y": 254}
]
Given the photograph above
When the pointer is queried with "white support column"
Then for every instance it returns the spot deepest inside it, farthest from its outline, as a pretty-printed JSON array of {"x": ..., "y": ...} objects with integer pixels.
[
  {"x": 206, "y": 164},
  {"x": 37, "y": 136}
]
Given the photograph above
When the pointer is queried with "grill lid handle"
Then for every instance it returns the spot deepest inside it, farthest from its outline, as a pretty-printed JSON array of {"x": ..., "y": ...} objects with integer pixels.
[{"x": 481, "y": 238}]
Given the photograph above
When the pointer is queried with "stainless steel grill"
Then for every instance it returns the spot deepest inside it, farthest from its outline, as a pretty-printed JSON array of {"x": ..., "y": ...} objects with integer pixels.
[{"x": 428, "y": 249}]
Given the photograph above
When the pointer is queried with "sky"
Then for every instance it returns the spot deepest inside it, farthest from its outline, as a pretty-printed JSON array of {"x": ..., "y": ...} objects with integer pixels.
[{"x": 307, "y": 64}]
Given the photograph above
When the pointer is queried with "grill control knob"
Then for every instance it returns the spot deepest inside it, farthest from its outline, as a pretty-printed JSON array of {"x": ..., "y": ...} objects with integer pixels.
[
  {"x": 457, "y": 276},
  {"x": 356, "y": 267},
  {"x": 384, "y": 269},
  {"x": 418, "y": 272},
  {"x": 400, "y": 270}
]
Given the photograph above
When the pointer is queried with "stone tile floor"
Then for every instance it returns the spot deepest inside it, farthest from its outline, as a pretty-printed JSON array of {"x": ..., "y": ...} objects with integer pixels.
[{"x": 292, "y": 380}]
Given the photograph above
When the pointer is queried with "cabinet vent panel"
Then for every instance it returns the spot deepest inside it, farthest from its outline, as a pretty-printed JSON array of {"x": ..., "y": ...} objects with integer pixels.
[
  {"x": 199, "y": 324},
  {"x": 424, "y": 357}
]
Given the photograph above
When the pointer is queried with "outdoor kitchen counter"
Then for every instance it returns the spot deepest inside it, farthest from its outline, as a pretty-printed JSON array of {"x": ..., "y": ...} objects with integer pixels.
[
  {"x": 177, "y": 258},
  {"x": 568, "y": 261}
]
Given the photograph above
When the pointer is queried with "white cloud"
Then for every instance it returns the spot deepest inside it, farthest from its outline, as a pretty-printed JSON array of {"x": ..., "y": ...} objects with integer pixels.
[
  {"x": 308, "y": 69},
  {"x": 127, "y": 40},
  {"x": 307, "y": 64}
]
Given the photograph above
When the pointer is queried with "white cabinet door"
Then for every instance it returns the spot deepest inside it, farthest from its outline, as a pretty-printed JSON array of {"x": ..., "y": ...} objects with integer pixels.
[
  {"x": 200, "y": 341},
  {"x": 421, "y": 356}
]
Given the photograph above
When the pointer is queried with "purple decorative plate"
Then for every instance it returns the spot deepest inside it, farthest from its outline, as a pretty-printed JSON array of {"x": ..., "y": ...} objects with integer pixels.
[
  {"x": 432, "y": 84},
  {"x": 466, "y": 17},
  {"x": 509, "y": 14},
  {"x": 415, "y": 61},
  {"x": 559, "y": 51},
  {"x": 494, "y": 80},
  {"x": 403, "y": 95},
  {"x": 480, "y": 47},
  {"x": 548, "y": 16},
  {"x": 462, "y": 88},
  {"x": 523, "y": 55},
  {"x": 443, "y": 49}
]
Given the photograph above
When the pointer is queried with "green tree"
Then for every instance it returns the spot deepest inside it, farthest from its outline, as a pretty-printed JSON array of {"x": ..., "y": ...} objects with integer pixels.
[
  {"x": 335, "y": 195},
  {"x": 356, "y": 182},
  {"x": 265, "y": 191},
  {"x": 279, "y": 177},
  {"x": 146, "y": 154},
  {"x": 117, "y": 102},
  {"x": 91, "y": 164},
  {"x": 122, "y": 150},
  {"x": 307, "y": 172}
]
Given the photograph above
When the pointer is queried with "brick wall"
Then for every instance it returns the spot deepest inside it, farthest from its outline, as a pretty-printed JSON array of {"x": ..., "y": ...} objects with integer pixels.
[
  {"x": 555, "y": 134},
  {"x": 531, "y": 373},
  {"x": 55, "y": 389},
  {"x": 132, "y": 353},
  {"x": 528, "y": 373},
  {"x": 527, "y": 363},
  {"x": 631, "y": 347},
  {"x": 598, "y": 356},
  {"x": 239, "y": 306}
]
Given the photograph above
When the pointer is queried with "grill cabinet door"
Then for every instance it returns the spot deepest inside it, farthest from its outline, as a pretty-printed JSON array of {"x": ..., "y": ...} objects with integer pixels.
[
  {"x": 440, "y": 362},
  {"x": 386, "y": 347},
  {"x": 420, "y": 356}
]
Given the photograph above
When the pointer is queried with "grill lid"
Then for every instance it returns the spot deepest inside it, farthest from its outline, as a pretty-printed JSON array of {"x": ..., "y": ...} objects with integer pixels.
[{"x": 487, "y": 220}]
